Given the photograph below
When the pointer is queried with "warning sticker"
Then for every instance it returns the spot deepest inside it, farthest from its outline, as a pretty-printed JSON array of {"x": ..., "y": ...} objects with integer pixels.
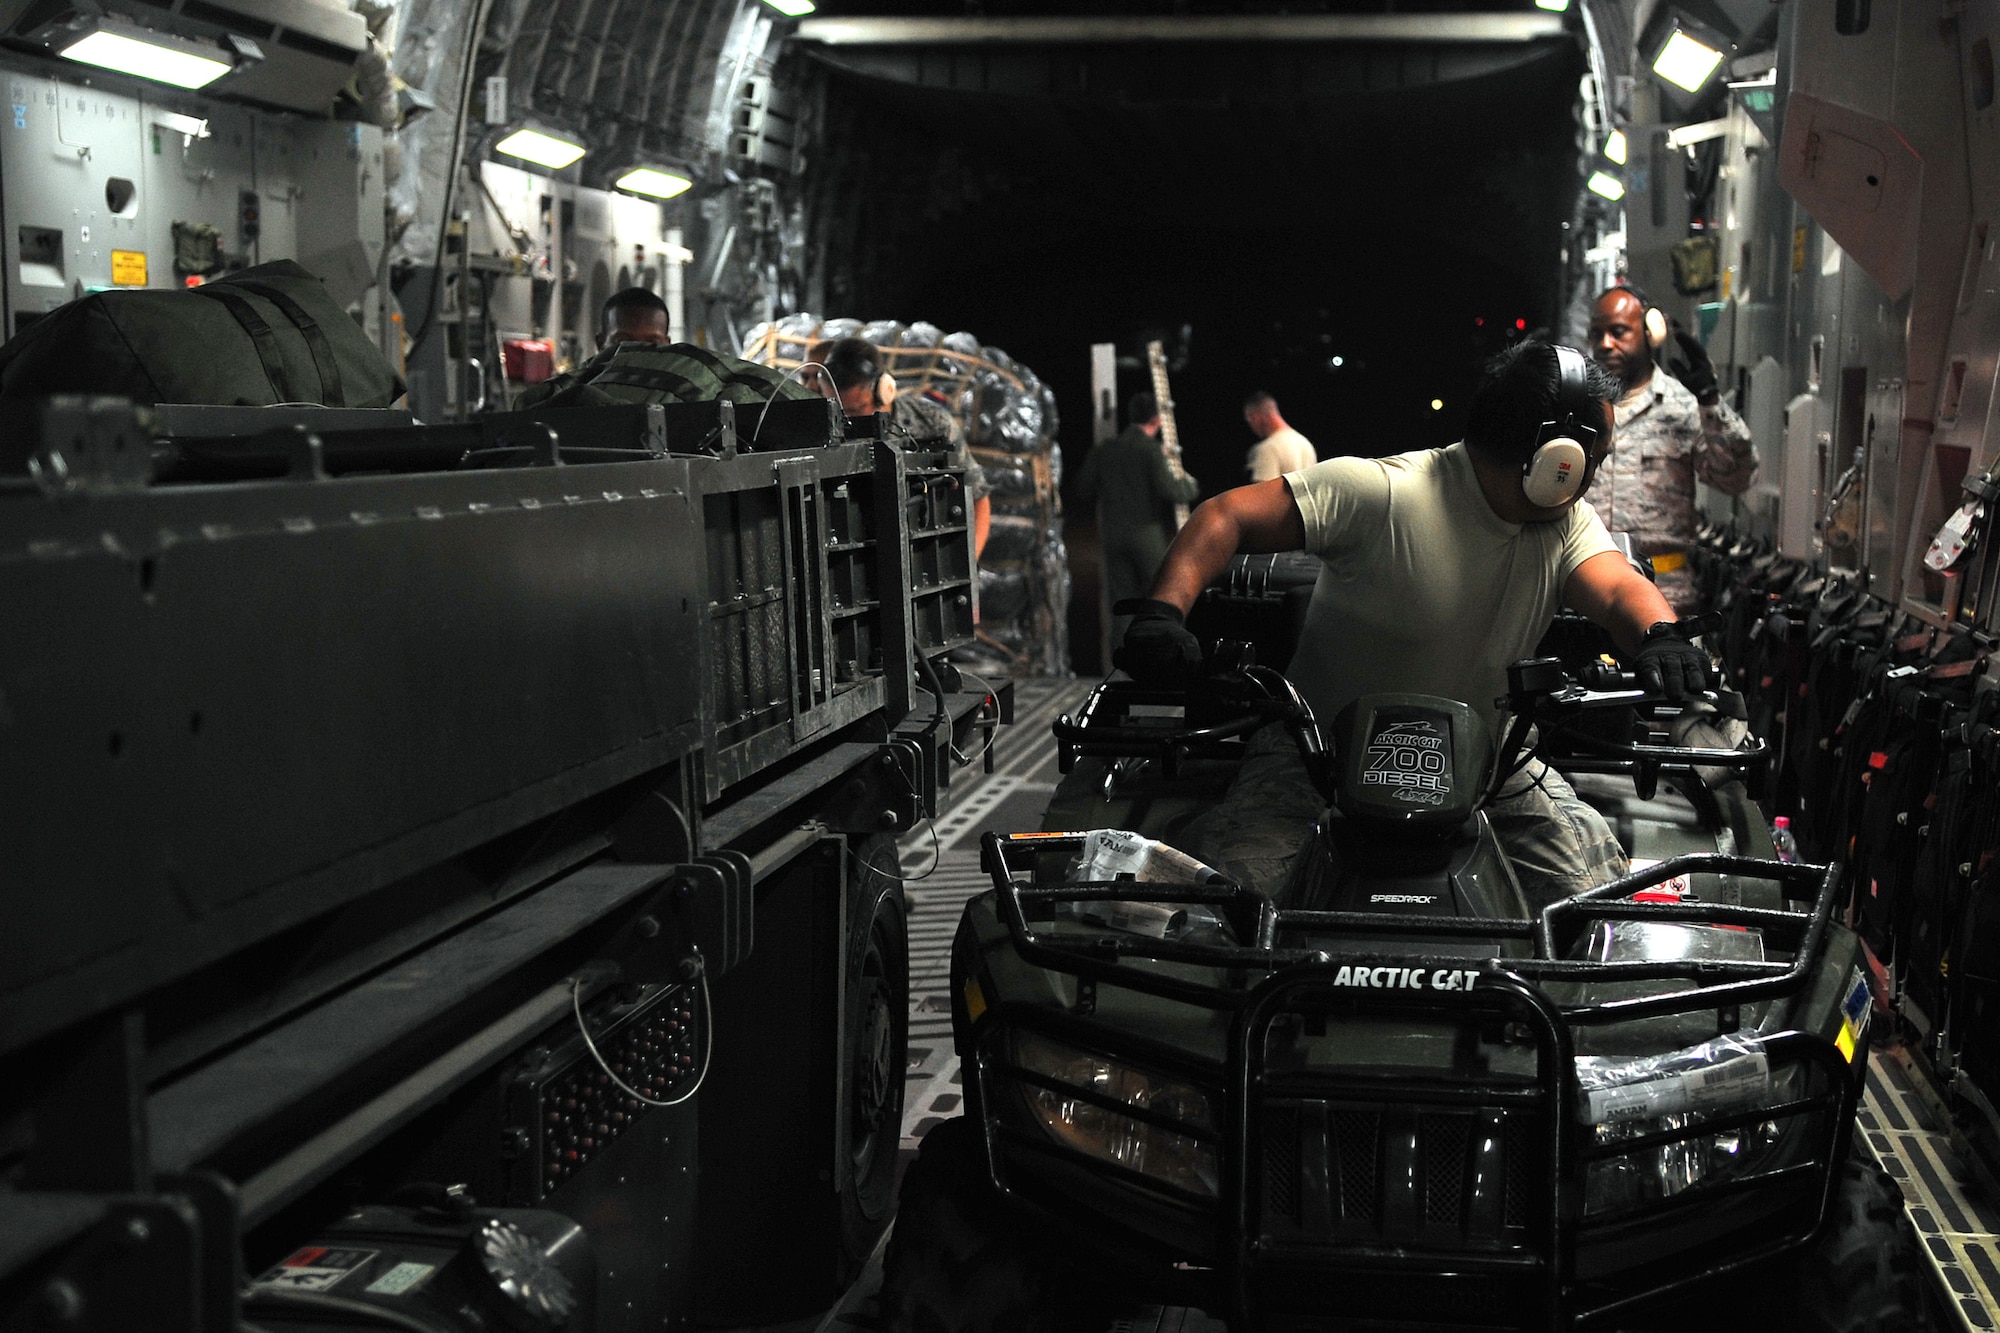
[
  {"x": 1742, "y": 1080},
  {"x": 1676, "y": 889},
  {"x": 401, "y": 1280},
  {"x": 315, "y": 1268},
  {"x": 1853, "y": 1017},
  {"x": 128, "y": 268}
]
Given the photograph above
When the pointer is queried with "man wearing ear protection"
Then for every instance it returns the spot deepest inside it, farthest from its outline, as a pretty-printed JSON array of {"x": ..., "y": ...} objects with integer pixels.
[
  {"x": 850, "y": 369},
  {"x": 1673, "y": 428},
  {"x": 1440, "y": 568}
]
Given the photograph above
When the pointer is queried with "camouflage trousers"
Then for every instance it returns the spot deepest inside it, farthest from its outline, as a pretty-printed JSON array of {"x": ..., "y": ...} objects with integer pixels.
[{"x": 1557, "y": 843}]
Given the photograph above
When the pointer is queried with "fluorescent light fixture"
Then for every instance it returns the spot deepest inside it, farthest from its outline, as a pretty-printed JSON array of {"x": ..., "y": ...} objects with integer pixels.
[
  {"x": 189, "y": 126},
  {"x": 542, "y": 149},
  {"x": 1606, "y": 184},
  {"x": 149, "y": 55},
  {"x": 1553, "y": 6},
  {"x": 792, "y": 8},
  {"x": 1687, "y": 62},
  {"x": 655, "y": 182},
  {"x": 1614, "y": 147}
]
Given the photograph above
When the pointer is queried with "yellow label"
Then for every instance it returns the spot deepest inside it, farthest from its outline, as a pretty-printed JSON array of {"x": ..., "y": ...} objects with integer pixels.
[
  {"x": 1798, "y": 249},
  {"x": 1024, "y": 837},
  {"x": 1728, "y": 276},
  {"x": 128, "y": 268},
  {"x": 1669, "y": 562},
  {"x": 1845, "y": 1040},
  {"x": 975, "y": 1001}
]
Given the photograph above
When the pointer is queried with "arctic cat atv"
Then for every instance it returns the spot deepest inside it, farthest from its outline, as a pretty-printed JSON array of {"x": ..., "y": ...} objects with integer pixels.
[{"x": 1386, "y": 1094}]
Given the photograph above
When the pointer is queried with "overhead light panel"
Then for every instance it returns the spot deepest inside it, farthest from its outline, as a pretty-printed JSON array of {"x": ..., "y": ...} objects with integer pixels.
[
  {"x": 1605, "y": 184},
  {"x": 541, "y": 148},
  {"x": 1686, "y": 61},
  {"x": 1614, "y": 146},
  {"x": 654, "y": 182},
  {"x": 792, "y": 9},
  {"x": 1553, "y": 6},
  {"x": 148, "y": 55}
]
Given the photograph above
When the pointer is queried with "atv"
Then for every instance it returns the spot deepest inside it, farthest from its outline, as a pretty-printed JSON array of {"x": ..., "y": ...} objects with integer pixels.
[{"x": 1387, "y": 1094}]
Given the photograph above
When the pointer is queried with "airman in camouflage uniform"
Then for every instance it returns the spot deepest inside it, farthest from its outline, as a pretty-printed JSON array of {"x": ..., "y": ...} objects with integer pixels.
[{"x": 1670, "y": 434}]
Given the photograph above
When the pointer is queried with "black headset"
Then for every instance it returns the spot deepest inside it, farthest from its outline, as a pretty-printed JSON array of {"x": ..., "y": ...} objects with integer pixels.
[{"x": 1564, "y": 459}]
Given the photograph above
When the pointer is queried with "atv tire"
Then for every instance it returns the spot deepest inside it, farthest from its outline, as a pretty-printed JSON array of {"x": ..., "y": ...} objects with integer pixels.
[
  {"x": 960, "y": 1262},
  {"x": 1865, "y": 1274}
]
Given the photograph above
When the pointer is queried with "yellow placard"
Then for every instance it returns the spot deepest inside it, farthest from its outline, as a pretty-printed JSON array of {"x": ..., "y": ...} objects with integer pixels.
[
  {"x": 1728, "y": 281},
  {"x": 1798, "y": 249},
  {"x": 128, "y": 268}
]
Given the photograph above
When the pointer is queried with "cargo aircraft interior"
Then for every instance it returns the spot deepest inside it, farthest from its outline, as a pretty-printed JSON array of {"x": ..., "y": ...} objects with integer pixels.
[{"x": 999, "y": 666}]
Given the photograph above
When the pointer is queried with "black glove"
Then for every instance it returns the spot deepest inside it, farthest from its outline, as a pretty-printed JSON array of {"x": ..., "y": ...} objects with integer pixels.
[
  {"x": 1692, "y": 367},
  {"x": 1157, "y": 649},
  {"x": 1669, "y": 665}
]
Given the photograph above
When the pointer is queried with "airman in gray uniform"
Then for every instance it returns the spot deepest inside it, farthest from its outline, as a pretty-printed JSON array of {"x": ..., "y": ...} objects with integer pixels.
[{"x": 1670, "y": 434}]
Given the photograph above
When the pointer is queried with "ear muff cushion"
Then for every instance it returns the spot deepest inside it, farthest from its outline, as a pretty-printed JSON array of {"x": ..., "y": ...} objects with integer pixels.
[
  {"x": 1656, "y": 327},
  {"x": 1555, "y": 474}
]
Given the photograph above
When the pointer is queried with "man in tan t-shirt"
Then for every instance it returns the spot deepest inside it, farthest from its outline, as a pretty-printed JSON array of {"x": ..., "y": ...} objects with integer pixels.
[
  {"x": 1439, "y": 571},
  {"x": 1279, "y": 448}
]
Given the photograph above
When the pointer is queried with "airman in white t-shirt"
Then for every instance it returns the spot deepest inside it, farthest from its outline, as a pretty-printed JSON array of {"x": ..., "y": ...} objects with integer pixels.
[{"x": 1279, "y": 448}]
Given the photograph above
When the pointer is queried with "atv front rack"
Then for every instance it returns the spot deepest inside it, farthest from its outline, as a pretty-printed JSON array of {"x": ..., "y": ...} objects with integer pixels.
[
  {"x": 1526, "y": 1266},
  {"x": 1262, "y": 929}
]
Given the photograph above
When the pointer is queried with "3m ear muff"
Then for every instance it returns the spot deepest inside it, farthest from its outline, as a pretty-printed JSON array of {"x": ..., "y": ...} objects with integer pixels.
[
  {"x": 1559, "y": 469},
  {"x": 1653, "y": 321}
]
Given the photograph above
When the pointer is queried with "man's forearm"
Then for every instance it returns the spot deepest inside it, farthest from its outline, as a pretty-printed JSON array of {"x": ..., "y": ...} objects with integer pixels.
[
  {"x": 1201, "y": 551},
  {"x": 1259, "y": 517},
  {"x": 1636, "y": 607}
]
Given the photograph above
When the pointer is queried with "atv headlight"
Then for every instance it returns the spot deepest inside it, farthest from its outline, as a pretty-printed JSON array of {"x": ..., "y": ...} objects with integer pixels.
[
  {"x": 1615, "y": 1184},
  {"x": 1178, "y": 1159}
]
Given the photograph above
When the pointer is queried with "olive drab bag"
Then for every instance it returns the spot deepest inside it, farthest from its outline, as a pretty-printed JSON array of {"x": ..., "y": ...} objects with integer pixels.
[
  {"x": 636, "y": 372},
  {"x": 259, "y": 336}
]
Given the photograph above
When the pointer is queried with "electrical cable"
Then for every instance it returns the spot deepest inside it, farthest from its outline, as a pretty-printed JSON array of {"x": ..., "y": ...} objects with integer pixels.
[
  {"x": 707, "y": 1044},
  {"x": 758, "y": 429},
  {"x": 993, "y": 730},
  {"x": 453, "y": 165},
  {"x": 318, "y": 1302}
]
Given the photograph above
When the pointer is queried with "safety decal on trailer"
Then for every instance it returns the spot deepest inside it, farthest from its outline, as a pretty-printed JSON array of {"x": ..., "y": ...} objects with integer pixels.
[
  {"x": 401, "y": 1280},
  {"x": 316, "y": 1268},
  {"x": 1853, "y": 1017}
]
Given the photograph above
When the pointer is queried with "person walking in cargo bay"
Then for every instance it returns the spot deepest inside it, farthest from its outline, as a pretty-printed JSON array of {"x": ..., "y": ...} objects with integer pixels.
[{"x": 1128, "y": 479}]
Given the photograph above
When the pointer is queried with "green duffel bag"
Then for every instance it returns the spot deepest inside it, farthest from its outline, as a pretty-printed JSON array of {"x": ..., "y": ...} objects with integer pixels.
[
  {"x": 636, "y": 372},
  {"x": 259, "y": 336}
]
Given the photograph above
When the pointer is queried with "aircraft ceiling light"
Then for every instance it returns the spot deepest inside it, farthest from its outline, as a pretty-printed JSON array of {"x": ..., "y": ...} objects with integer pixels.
[
  {"x": 1605, "y": 184},
  {"x": 1615, "y": 147},
  {"x": 145, "y": 54},
  {"x": 1688, "y": 59},
  {"x": 792, "y": 8},
  {"x": 654, "y": 182},
  {"x": 544, "y": 148}
]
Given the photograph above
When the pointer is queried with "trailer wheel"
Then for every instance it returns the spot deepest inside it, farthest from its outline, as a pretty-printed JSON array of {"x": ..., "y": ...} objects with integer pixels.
[
  {"x": 955, "y": 1265},
  {"x": 877, "y": 1055},
  {"x": 1865, "y": 1274}
]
